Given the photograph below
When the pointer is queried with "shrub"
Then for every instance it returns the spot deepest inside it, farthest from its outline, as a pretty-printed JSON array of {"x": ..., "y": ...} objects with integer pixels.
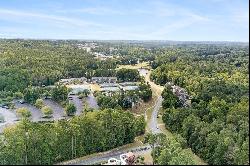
[
  {"x": 23, "y": 113},
  {"x": 47, "y": 111},
  {"x": 39, "y": 103},
  {"x": 70, "y": 109}
]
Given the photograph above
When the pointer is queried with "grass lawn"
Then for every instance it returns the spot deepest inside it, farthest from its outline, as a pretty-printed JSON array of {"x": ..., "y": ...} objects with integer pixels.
[
  {"x": 147, "y": 158},
  {"x": 95, "y": 87},
  {"x": 140, "y": 109},
  {"x": 137, "y": 66}
]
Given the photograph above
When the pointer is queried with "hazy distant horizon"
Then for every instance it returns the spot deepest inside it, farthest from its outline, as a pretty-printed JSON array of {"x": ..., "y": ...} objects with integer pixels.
[
  {"x": 194, "y": 20},
  {"x": 151, "y": 40}
]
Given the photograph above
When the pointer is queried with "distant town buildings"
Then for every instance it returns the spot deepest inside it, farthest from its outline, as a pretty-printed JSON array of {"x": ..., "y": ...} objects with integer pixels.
[
  {"x": 87, "y": 46},
  {"x": 115, "y": 87},
  {"x": 107, "y": 84},
  {"x": 102, "y": 56}
]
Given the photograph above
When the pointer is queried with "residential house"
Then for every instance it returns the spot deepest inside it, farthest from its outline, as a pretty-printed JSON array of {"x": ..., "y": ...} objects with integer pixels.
[{"x": 100, "y": 80}]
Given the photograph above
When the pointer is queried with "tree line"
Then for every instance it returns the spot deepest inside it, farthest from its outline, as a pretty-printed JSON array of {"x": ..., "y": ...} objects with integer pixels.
[{"x": 53, "y": 142}]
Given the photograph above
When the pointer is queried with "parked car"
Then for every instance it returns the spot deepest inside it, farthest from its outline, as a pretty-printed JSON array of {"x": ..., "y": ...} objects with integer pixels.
[
  {"x": 21, "y": 101},
  {"x": 7, "y": 107},
  {"x": 72, "y": 93}
]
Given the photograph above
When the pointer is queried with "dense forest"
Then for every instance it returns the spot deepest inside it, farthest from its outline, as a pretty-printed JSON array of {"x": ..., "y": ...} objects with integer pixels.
[
  {"x": 216, "y": 124},
  {"x": 25, "y": 63},
  {"x": 49, "y": 143},
  {"x": 170, "y": 150}
]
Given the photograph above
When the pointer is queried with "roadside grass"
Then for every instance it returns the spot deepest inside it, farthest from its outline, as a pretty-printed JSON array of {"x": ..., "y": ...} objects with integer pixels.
[
  {"x": 149, "y": 110},
  {"x": 148, "y": 160},
  {"x": 140, "y": 109},
  {"x": 140, "y": 139}
]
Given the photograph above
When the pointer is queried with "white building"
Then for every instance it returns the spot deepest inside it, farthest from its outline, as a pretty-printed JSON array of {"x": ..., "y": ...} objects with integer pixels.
[{"x": 72, "y": 80}]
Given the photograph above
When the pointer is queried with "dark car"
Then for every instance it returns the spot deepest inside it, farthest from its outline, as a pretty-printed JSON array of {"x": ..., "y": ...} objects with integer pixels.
[{"x": 7, "y": 107}]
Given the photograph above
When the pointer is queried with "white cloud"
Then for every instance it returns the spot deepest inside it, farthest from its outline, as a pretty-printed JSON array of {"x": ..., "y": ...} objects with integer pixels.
[
  {"x": 177, "y": 25},
  {"x": 241, "y": 16},
  {"x": 21, "y": 16},
  {"x": 94, "y": 11}
]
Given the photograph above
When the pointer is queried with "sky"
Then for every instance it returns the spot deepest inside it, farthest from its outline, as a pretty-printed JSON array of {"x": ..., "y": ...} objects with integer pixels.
[{"x": 181, "y": 20}]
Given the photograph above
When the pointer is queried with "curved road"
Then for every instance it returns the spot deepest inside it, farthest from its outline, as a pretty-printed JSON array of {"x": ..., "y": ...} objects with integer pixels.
[{"x": 157, "y": 90}]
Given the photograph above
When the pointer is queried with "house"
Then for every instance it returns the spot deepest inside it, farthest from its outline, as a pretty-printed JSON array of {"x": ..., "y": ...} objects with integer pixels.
[
  {"x": 128, "y": 83},
  {"x": 127, "y": 88},
  {"x": 110, "y": 89},
  {"x": 72, "y": 80},
  {"x": 104, "y": 80},
  {"x": 109, "y": 85},
  {"x": 181, "y": 94}
]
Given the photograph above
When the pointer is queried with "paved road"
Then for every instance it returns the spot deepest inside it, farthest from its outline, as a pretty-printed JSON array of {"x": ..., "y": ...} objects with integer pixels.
[
  {"x": 153, "y": 121},
  {"x": 105, "y": 156},
  {"x": 58, "y": 111},
  {"x": 9, "y": 118},
  {"x": 36, "y": 114},
  {"x": 91, "y": 100},
  {"x": 157, "y": 90},
  {"x": 78, "y": 103}
]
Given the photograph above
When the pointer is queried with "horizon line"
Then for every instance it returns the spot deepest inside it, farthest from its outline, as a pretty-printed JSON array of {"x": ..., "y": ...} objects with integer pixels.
[{"x": 231, "y": 41}]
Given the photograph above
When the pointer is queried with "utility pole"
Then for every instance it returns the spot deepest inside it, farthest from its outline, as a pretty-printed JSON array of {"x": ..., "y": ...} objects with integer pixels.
[
  {"x": 72, "y": 146},
  {"x": 26, "y": 155}
]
